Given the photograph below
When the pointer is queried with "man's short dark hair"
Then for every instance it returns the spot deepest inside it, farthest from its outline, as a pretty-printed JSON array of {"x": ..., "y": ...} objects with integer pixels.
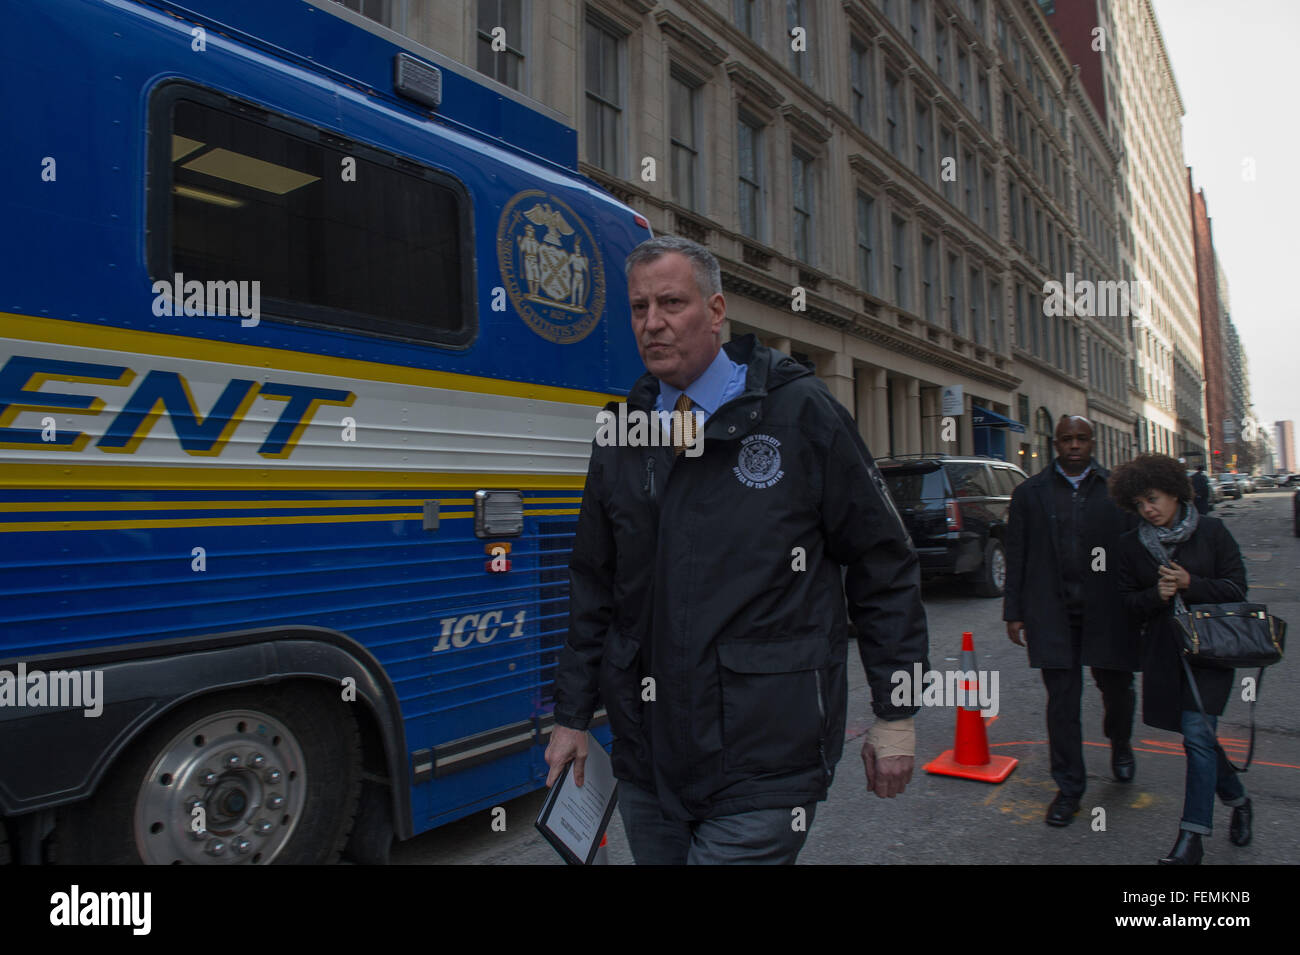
[
  {"x": 1147, "y": 472},
  {"x": 708, "y": 274}
]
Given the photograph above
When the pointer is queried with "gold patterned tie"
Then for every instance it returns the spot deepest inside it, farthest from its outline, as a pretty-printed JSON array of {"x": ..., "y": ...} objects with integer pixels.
[{"x": 683, "y": 434}]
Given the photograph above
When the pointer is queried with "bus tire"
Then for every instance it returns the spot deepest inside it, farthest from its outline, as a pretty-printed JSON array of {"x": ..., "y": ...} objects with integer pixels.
[
  {"x": 257, "y": 775},
  {"x": 371, "y": 842}
]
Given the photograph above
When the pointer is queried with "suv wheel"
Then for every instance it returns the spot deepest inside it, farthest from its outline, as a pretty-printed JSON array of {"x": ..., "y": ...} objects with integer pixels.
[{"x": 992, "y": 576}]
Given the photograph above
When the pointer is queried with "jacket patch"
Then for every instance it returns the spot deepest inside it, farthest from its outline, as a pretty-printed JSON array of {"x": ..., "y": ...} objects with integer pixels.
[{"x": 758, "y": 463}]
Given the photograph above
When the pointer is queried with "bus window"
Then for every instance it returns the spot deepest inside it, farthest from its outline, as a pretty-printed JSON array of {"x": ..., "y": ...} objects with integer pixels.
[{"x": 338, "y": 234}]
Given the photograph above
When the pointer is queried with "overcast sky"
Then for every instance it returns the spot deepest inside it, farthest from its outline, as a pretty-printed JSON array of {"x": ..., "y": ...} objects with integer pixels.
[{"x": 1235, "y": 64}]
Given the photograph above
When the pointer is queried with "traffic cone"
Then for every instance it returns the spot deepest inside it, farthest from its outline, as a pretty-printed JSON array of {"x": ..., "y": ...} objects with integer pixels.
[{"x": 969, "y": 758}]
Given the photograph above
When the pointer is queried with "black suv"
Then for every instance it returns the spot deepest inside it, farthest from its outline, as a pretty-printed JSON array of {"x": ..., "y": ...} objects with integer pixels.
[{"x": 956, "y": 510}]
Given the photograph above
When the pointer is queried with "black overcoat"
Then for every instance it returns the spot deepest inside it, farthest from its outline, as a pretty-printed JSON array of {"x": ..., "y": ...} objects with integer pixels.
[
  {"x": 1035, "y": 593},
  {"x": 684, "y": 572},
  {"x": 1213, "y": 561}
]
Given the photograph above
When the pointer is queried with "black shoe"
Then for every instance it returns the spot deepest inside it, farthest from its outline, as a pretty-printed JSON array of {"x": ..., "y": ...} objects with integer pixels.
[
  {"x": 1122, "y": 763},
  {"x": 1186, "y": 851},
  {"x": 1239, "y": 828},
  {"x": 1061, "y": 811}
]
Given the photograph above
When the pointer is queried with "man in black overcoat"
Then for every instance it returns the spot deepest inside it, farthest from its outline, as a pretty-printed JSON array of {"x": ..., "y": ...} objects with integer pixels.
[{"x": 1061, "y": 599}]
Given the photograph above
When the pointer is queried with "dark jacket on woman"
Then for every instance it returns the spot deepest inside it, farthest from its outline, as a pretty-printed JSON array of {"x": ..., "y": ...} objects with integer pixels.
[{"x": 1213, "y": 561}]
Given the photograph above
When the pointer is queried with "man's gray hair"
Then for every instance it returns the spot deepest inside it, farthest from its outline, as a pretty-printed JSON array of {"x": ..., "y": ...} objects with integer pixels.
[{"x": 708, "y": 274}]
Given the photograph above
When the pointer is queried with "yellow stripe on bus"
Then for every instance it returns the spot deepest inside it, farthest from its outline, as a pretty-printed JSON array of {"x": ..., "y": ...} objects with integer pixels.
[
  {"x": 204, "y": 477},
  {"x": 177, "y": 522},
  {"x": 30, "y": 328}
]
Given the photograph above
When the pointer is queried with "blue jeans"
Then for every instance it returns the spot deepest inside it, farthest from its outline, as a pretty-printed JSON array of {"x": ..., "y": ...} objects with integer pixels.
[
  {"x": 1208, "y": 772},
  {"x": 759, "y": 837}
]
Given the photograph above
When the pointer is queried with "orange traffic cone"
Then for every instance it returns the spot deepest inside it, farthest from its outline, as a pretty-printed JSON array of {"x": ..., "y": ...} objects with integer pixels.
[{"x": 969, "y": 758}]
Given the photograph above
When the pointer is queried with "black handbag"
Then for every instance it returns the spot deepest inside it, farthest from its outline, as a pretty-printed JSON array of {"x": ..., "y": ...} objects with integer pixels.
[{"x": 1227, "y": 636}]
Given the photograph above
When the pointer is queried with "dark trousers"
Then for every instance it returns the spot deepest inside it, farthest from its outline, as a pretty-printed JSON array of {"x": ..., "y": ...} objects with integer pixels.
[
  {"x": 1064, "y": 727},
  {"x": 758, "y": 837}
]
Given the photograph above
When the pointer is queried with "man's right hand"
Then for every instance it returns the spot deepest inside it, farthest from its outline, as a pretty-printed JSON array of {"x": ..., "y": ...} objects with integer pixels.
[
  {"x": 566, "y": 745},
  {"x": 1016, "y": 631}
]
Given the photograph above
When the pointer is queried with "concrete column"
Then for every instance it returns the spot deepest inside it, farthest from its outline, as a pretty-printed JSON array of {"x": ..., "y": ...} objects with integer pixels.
[
  {"x": 898, "y": 392},
  {"x": 930, "y": 420},
  {"x": 877, "y": 420},
  {"x": 966, "y": 430},
  {"x": 724, "y": 333},
  {"x": 780, "y": 344},
  {"x": 836, "y": 371},
  {"x": 913, "y": 416}
]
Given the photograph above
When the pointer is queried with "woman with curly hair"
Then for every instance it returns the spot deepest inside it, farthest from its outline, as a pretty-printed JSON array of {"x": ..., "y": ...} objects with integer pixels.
[{"x": 1175, "y": 550}]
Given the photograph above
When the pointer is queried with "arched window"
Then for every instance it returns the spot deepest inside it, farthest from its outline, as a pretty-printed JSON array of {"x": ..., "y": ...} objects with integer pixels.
[{"x": 1045, "y": 432}]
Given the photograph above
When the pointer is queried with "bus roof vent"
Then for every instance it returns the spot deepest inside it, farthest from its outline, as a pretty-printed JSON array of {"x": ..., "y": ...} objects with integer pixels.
[{"x": 417, "y": 80}]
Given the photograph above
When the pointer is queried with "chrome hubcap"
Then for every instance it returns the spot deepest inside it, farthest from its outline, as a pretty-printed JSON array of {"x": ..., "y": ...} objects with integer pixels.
[{"x": 228, "y": 789}]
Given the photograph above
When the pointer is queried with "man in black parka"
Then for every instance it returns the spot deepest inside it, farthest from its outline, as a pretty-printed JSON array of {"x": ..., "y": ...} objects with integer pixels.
[
  {"x": 1061, "y": 597},
  {"x": 708, "y": 593}
]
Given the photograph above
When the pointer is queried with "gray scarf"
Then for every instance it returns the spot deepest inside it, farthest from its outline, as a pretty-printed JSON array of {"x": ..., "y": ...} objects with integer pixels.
[{"x": 1160, "y": 541}]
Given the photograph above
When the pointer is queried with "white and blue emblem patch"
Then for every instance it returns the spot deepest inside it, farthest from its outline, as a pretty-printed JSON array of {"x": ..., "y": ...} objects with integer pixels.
[{"x": 759, "y": 462}]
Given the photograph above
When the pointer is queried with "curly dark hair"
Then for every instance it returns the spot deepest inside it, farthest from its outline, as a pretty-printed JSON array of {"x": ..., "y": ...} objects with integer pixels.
[{"x": 1146, "y": 472}]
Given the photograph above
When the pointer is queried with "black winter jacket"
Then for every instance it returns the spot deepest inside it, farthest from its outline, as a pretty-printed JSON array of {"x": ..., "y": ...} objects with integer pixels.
[
  {"x": 1035, "y": 593},
  {"x": 1213, "y": 561},
  {"x": 688, "y": 571}
]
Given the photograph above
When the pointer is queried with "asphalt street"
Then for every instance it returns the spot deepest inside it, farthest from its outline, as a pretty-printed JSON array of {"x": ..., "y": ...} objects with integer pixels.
[{"x": 941, "y": 819}]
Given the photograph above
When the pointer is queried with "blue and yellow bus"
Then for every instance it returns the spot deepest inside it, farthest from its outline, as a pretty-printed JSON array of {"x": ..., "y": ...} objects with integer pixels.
[{"x": 302, "y": 335}]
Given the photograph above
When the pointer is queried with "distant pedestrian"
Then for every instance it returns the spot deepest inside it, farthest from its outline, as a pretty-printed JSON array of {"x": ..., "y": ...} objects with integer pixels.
[
  {"x": 1175, "y": 550},
  {"x": 1062, "y": 600},
  {"x": 1201, "y": 486}
]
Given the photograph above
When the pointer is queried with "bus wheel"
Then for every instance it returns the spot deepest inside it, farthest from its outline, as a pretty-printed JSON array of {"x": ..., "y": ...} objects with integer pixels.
[{"x": 251, "y": 776}]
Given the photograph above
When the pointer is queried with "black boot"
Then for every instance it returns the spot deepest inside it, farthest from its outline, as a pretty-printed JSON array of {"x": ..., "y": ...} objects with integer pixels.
[
  {"x": 1122, "y": 763},
  {"x": 1239, "y": 828},
  {"x": 1186, "y": 851}
]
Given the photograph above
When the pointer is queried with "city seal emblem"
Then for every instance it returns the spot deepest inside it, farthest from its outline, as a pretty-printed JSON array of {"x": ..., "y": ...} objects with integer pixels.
[
  {"x": 550, "y": 266},
  {"x": 759, "y": 462}
]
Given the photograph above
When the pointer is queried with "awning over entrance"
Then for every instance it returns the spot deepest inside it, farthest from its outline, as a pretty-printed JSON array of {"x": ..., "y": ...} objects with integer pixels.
[{"x": 984, "y": 418}]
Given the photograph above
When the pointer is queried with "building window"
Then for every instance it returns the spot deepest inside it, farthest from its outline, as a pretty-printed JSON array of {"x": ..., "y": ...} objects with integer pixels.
[
  {"x": 750, "y": 176},
  {"x": 506, "y": 66},
  {"x": 860, "y": 78},
  {"x": 747, "y": 18},
  {"x": 977, "y": 306},
  {"x": 682, "y": 132},
  {"x": 1022, "y": 331},
  {"x": 970, "y": 183},
  {"x": 796, "y": 16},
  {"x": 802, "y": 185},
  {"x": 963, "y": 75},
  {"x": 893, "y": 116},
  {"x": 941, "y": 50},
  {"x": 955, "y": 303},
  {"x": 995, "y": 316},
  {"x": 929, "y": 279},
  {"x": 918, "y": 13},
  {"x": 1035, "y": 325},
  {"x": 986, "y": 110},
  {"x": 1008, "y": 120},
  {"x": 604, "y": 70},
  {"x": 868, "y": 242},
  {"x": 1014, "y": 203},
  {"x": 902, "y": 275},
  {"x": 924, "y": 162},
  {"x": 948, "y": 154},
  {"x": 990, "y": 202}
]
